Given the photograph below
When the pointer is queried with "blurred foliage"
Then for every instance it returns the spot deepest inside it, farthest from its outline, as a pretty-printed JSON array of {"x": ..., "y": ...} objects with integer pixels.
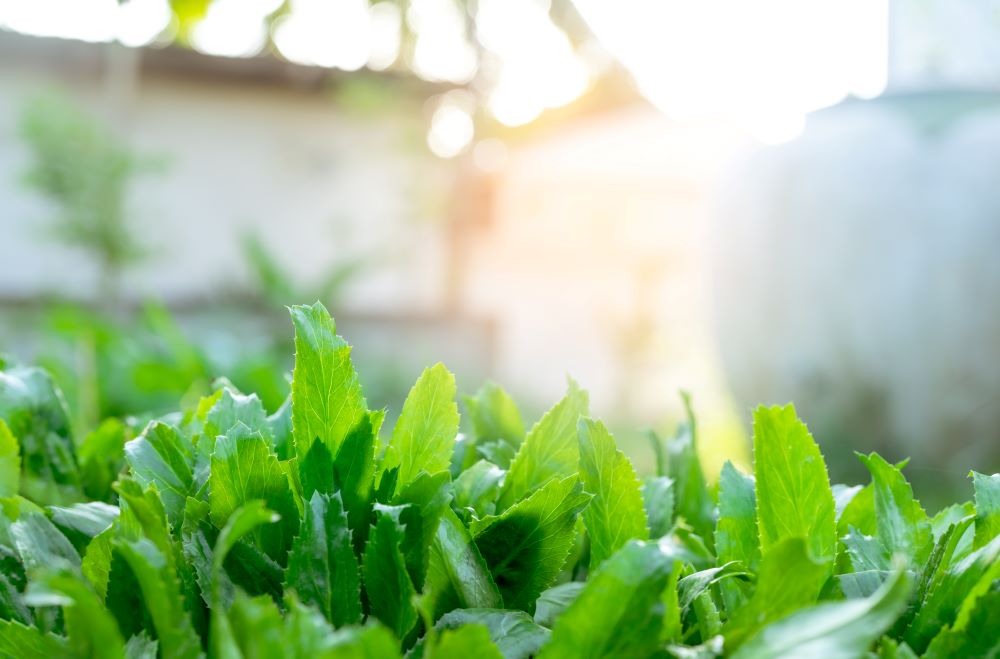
[
  {"x": 84, "y": 170},
  {"x": 275, "y": 284}
]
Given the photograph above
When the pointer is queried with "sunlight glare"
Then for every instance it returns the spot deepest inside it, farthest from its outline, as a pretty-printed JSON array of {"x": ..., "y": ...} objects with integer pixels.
[
  {"x": 442, "y": 52},
  {"x": 452, "y": 128},
  {"x": 324, "y": 33}
]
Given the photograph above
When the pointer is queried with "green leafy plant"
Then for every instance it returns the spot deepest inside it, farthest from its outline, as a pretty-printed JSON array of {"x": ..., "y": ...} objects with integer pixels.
[{"x": 222, "y": 531}]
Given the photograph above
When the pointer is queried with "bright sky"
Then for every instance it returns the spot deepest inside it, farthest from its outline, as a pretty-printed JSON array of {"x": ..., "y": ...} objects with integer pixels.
[{"x": 761, "y": 64}]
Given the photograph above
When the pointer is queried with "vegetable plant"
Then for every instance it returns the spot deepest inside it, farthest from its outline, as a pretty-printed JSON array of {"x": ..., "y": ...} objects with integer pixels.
[{"x": 222, "y": 531}]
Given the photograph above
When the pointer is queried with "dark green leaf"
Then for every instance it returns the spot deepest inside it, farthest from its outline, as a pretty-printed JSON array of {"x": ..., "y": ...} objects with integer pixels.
[
  {"x": 658, "y": 500},
  {"x": 322, "y": 568},
  {"x": 526, "y": 546},
  {"x": 457, "y": 576},
  {"x": 901, "y": 524},
  {"x": 513, "y": 632},
  {"x": 465, "y": 642},
  {"x": 92, "y": 631},
  {"x": 476, "y": 489},
  {"x": 22, "y": 642},
  {"x": 387, "y": 583}
]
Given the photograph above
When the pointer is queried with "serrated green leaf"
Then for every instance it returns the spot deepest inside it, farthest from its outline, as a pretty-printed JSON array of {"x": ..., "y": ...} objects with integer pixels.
[
  {"x": 326, "y": 394},
  {"x": 158, "y": 456},
  {"x": 10, "y": 462},
  {"x": 833, "y": 630},
  {"x": 96, "y": 565},
  {"x": 789, "y": 580},
  {"x": 623, "y": 594},
  {"x": 526, "y": 546},
  {"x": 141, "y": 646},
  {"x": 901, "y": 524},
  {"x": 978, "y": 637},
  {"x": 322, "y": 568},
  {"x": 387, "y": 582},
  {"x": 658, "y": 500},
  {"x": 736, "y": 531},
  {"x": 424, "y": 436},
  {"x": 513, "y": 632},
  {"x": 615, "y": 514},
  {"x": 354, "y": 471},
  {"x": 457, "y": 576},
  {"x": 550, "y": 450},
  {"x": 987, "y": 507},
  {"x": 233, "y": 407},
  {"x": 244, "y": 469},
  {"x": 794, "y": 499}
]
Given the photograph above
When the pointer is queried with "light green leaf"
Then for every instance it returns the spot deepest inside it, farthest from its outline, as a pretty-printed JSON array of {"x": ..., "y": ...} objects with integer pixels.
[
  {"x": 513, "y": 632},
  {"x": 464, "y": 642},
  {"x": 495, "y": 417},
  {"x": 617, "y": 614},
  {"x": 322, "y": 567},
  {"x": 233, "y": 407},
  {"x": 978, "y": 637},
  {"x": 987, "y": 507},
  {"x": 158, "y": 456},
  {"x": 615, "y": 514},
  {"x": 901, "y": 524},
  {"x": 526, "y": 546},
  {"x": 794, "y": 499},
  {"x": 244, "y": 469},
  {"x": 387, "y": 583},
  {"x": 550, "y": 451},
  {"x": 41, "y": 545},
  {"x": 833, "y": 630},
  {"x": 789, "y": 580},
  {"x": 373, "y": 641},
  {"x": 10, "y": 462},
  {"x": 736, "y": 530},
  {"x": 96, "y": 566},
  {"x": 326, "y": 394},
  {"x": 424, "y": 436}
]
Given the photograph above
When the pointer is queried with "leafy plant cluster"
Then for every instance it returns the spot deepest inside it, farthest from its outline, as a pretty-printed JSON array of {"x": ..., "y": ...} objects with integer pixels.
[{"x": 221, "y": 531}]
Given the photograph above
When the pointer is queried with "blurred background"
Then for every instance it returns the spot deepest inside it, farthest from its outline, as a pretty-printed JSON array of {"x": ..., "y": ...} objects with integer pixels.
[{"x": 755, "y": 202}]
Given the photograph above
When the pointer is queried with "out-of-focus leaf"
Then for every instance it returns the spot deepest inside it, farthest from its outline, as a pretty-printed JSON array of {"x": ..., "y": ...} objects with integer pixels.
[
  {"x": 82, "y": 522},
  {"x": 623, "y": 594},
  {"x": 158, "y": 456},
  {"x": 322, "y": 568},
  {"x": 101, "y": 455},
  {"x": 23, "y": 642},
  {"x": 550, "y": 450},
  {"x": 987, "y": 507},
  {"x": 326, "y": 394},
  {"x": 464, "y": 642},
  {"x": 658, "y": 500},
  {"x": 526, "y": 546},
  {"x": 495, "y": 418},
  {"x": 832, "y": 630},
  {"x": 92, "y": 631},
  {"x": 978, "y": 637},
  {"x": 736, "y": 530},
  {"x": 615, "y": 514},
  {"x": 232, "y": 408},
  {"x": 244, "y": 469},
  {"x": 41, "y": 545},
  {"x": 424, "y": 436},
  {"x": 694, "y": 503},
  {"x": 35, "y": 413},
  {"x": 794, "y": 499},
  {"x": 555, "y": 600},
  {"x": 789, "y": 580},
  {"x": 513, "y": 632},
  {"x": 477, "y": 487},
  {"x": 10, "y": 462}
]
